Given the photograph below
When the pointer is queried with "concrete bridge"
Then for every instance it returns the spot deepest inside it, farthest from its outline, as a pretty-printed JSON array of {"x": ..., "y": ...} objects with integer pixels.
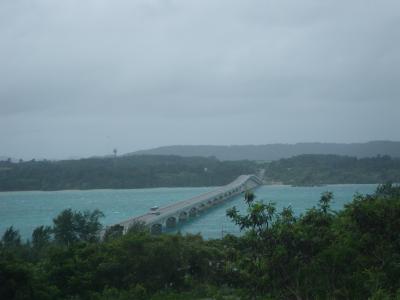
[{"x": 170, "y": 216}]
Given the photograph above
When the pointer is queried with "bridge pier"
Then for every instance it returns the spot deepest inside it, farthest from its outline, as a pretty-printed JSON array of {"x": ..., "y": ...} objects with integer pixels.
[
  {"x": 183, "y": 216},
  {"x": 192, "y": 212},
  {"x": 202, "y": 207}
]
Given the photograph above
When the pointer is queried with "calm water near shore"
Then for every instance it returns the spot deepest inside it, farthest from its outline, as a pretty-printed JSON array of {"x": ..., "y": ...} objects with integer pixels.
[{"x": 27, "y": 210}]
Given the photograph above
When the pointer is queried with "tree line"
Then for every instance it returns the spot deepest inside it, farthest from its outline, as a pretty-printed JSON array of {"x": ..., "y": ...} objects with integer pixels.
[
  {"x": 147, "y": 171},
  {"x": 321, "y": 254},
  {"x": 142, "y": 171}
]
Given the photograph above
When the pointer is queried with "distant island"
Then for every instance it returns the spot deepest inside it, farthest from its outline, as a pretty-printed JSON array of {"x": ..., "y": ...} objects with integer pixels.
[
  {"x": 148, "y": 171},
  {"x": 312, "y": 169},
  {"x": 272, "y": 152}
]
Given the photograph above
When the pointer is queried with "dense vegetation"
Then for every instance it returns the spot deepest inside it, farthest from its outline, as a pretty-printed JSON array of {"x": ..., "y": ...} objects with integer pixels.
[
  {"x": 353, "y": 254},
  {"x": 120, "y": 172},
  {"x": 333, "y": 169}
]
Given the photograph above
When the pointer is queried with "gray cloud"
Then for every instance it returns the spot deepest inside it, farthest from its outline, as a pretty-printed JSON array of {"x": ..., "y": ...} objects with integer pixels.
[{"x": 82, "y": 77}]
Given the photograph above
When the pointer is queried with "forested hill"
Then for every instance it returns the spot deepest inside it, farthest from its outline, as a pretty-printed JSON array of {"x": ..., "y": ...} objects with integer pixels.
[
  {"x": 333, "y": 169},
  {"x": 120, "y": 172},
  {"x": 277, "y": 151}
]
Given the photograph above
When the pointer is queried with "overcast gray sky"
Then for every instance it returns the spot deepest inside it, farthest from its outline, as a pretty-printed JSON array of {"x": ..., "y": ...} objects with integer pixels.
[{"x": 80, "y": 77}]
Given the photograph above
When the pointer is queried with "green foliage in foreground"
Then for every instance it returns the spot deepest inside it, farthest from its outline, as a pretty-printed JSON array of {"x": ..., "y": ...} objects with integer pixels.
[{"x": 352, "y": 254}]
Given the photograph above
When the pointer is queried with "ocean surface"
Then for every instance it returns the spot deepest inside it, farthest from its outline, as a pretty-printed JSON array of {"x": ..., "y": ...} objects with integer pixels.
[{"x": 27, "y": 210}]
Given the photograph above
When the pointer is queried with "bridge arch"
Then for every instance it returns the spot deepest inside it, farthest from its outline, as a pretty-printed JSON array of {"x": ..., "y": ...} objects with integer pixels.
[
  {"x": 171, "y": 222},
  {"x": 156, "y": 228}
]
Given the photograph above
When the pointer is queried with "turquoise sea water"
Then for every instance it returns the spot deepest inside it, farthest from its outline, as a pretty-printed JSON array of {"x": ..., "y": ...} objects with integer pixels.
[{"x": 27, "y": 210}]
